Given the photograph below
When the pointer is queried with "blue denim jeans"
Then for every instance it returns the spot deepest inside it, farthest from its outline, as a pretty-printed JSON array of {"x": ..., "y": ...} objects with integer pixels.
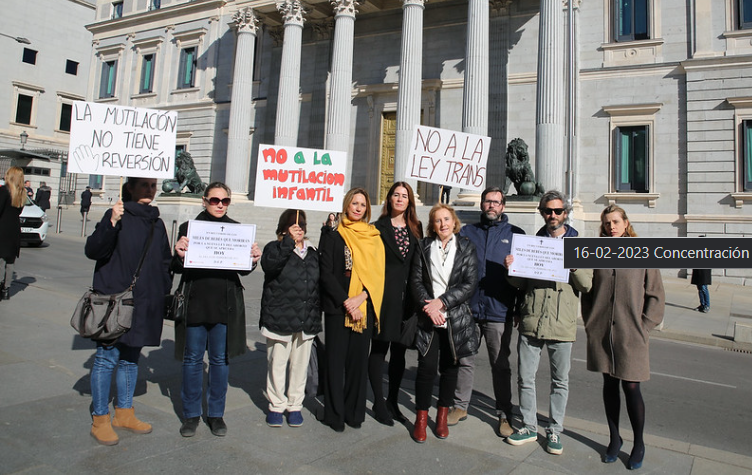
[
  {"x": 702, "y": 290},
  {"x": 197, "y": 340},
  {"x": 528, "y": 358},
  {"x": 106, "y": 359}
]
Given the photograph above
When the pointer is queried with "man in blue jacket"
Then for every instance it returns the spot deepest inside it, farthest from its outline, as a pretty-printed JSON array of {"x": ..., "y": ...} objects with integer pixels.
[{"x": 492, "y": 305}]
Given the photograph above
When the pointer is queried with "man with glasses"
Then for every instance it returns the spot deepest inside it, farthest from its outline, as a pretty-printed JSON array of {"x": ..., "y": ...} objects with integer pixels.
[
  {"x": 493, "y": 300},
  {"x": 547, "y": 316}
]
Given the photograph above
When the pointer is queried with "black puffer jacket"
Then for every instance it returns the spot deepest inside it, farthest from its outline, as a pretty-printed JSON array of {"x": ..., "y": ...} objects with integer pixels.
[
  {"x": 456, "y": 298},
  {"x": 290, "y": 302}
]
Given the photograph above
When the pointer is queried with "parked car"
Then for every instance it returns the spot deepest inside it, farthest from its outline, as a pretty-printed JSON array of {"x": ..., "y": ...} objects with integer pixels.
[{"x": 34, "y": 223}]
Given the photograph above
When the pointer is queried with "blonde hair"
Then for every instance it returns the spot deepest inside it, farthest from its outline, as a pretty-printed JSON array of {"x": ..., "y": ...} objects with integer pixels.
[
  {"x": 14, "y": 179},
  {"x": 629, "y": 232},
  {"x": 349, "y": 198},
  {"x": 430, "y": 228}
]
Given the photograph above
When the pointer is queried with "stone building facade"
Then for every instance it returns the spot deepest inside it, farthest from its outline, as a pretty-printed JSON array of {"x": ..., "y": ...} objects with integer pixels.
[{"x": 644, "y": 104}]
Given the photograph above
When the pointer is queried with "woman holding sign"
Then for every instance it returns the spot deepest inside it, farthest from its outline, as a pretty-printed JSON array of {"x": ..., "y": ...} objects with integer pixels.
[
  {"x": 130, "y": 229},
  {"x": 444, "y": 276},
  {"x": 619, "y": 312},
  {"x": 290, "y": 316},
  {"x": 352, "y": 287},
  {"x": 215, "y": 320},
  {"x": 400, "y": 232}
]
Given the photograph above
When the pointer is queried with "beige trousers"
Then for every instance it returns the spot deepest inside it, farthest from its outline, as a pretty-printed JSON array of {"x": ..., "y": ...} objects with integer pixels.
[{"x": 287, "y": 368}]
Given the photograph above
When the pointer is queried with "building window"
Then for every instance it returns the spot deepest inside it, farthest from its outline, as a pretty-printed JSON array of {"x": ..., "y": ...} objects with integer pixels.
[
  {"x": 29, "y": 56},
  {"x": 38, "y": 171},
  {"x": 24, "y": 108},
  {"x": 632, "y": 158},
  {"x": 155, "y": 4},
  {"x": 745, "y": 14},
  {"x": 631, "y": 18},
  {"x": 95, "y": 182},
  {"x": 187, "y": 70},
  {"x": 117, "y": 10},
  {"x": 107, "y": 82},
  {"x": 66, "y": 111},
  {"x": 147, "y": 74},
  {"x": 747, "y": 155},
  {"x": 71, "y": 67}
]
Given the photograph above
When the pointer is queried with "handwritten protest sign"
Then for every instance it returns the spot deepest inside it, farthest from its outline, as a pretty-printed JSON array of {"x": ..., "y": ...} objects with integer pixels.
[
  {"x": 303, "y": 178},
  {"x": 448, "y": 157},
  {"x": 122, "y": 141}
]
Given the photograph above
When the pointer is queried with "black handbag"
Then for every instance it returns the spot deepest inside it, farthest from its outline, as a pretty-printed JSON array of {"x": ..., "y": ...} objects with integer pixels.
[
  {"x": 106, "y": 317},
  {"x": 176, "y": 303},
  {"x": 409, "y": 329}
]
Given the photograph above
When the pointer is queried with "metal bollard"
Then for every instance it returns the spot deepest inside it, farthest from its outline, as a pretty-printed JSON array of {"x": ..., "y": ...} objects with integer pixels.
[
  {"x": 173, "y": 233},
  {"x": 59, "y": 220},
  {"x": 83, "y": 224}
]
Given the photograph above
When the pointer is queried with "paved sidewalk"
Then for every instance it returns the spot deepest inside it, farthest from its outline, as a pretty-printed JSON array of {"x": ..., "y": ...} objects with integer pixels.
[{"x": 44, "y": 402}]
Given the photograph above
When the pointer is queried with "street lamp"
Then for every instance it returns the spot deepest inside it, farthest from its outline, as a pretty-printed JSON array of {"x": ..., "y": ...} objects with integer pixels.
[
  {"x": 24, "y": 138},
  {"x": 19, "y": 39}
]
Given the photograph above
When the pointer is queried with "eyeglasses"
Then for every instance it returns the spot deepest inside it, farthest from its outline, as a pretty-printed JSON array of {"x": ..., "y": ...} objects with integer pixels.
[
  {"x": 552, "y": 211},
  {"x": 214, "y": 201},
  {"x": 492, "y": 203}
]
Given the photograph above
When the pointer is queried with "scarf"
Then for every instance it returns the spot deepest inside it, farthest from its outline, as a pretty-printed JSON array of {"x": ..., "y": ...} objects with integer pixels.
[{"x": 367, "y": 249}]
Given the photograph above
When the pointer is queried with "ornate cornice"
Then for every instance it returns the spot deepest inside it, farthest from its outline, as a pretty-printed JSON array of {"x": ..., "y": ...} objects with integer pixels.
[
  {"x": 292, "y": 11},
  {"x": 345, "y": 7},
  {"x": 245, "y": 21}
]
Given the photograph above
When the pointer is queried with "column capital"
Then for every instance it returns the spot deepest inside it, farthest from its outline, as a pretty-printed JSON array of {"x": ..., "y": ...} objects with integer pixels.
[
  {"x": 499, "y": 7},
  {"x": 292, "y": 11},
  {"x": 417, "y": 3},
  {"x": 245, "y": 21},
  {"x": 345, "y": 7}
]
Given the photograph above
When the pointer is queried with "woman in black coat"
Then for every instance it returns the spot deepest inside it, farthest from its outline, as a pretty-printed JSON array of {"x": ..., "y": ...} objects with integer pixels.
[
  {"x": 12, "y": 199},
  {"x": 444, "y": 277},
  {"x": 290, "y": 316},
  {"x": 214, "y": 323},
  {"x": 117, "y": 243},
  {"x": 400, "y": 232},
  {"x": 351, "y": 261}
]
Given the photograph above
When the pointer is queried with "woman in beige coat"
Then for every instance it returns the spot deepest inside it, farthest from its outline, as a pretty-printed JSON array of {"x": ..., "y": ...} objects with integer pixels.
[{"x": 617, "y": 326}]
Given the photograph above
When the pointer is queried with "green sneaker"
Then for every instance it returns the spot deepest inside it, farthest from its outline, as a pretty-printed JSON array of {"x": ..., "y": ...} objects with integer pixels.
[
  {"x": 554, "y": 444},
  {"x": 522, "y": 436}
]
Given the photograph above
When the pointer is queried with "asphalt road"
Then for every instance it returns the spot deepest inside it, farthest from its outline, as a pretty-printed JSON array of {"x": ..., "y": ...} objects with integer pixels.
[{"x": 697, "y": 394}]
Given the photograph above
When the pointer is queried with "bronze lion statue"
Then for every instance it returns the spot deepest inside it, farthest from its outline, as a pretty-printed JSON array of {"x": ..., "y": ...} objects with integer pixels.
[
  {"x": 186, "y": 176},
  {"x": 519, "y": 171}
]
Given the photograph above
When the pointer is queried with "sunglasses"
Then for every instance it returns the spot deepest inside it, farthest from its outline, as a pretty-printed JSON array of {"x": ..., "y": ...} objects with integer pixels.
[
  {"x": 214, "y": 201},
  {"x": 552, "y": 211}
]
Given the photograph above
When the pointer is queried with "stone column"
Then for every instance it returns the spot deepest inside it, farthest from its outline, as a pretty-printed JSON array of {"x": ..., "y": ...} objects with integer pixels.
[
  {"x": 288, "y": 100},
  {"x": 340, "y": 94},
  {"x": 549, "y": 117},
  {"x": 238, "y": 138},
  {"x": 475, "y": 90},
  {"x": 410, "y": 86}
]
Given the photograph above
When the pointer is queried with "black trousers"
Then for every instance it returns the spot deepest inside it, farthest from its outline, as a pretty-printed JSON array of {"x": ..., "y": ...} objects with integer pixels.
[
  {"x": 439, "y": 356},
  {"x": 346, "y": 371}
]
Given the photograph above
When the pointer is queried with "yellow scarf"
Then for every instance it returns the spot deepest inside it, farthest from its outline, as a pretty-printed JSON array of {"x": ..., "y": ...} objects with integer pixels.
[{"x": 367, "y": 250}]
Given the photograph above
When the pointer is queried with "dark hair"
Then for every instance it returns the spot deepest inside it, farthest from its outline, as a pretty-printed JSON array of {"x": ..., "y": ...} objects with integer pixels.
[
  {"x": 493, "y": 189},
  {"x": 348, "y": 199},
  {"x": 217, "y": 184},
  {"x": 553, "y": 195},
  {"x": 288, "y": 218},
  {"x": 431, "y": 231},
  {"x": 411, "y": 215}
]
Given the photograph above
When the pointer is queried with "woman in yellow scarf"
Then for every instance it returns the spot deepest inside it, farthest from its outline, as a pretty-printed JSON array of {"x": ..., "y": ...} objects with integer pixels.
[{"x": 351, "y": 261}]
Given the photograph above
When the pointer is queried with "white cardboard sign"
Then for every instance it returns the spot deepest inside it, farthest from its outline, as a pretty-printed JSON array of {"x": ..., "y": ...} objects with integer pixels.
[
  {"x": 300, "y": 178},
  {"x": 448, "y": 157},
  {"x": 107, "y": 139}
]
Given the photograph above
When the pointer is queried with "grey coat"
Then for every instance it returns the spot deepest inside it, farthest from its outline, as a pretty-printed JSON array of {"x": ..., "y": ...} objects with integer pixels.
[{"x": 617, "y": 323}]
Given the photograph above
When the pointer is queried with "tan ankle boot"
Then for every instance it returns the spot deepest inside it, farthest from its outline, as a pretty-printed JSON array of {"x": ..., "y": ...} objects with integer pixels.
[
  {"x": 126, "y": 418},
  {"x": 101, "y": 429}
]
